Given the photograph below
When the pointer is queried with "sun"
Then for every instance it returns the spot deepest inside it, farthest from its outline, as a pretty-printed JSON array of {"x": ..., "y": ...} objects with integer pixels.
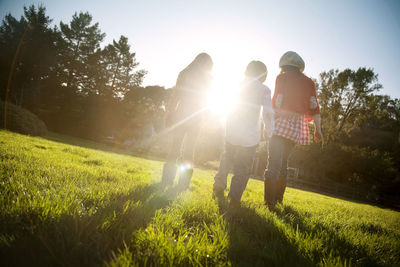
[
  {"x": 222, "y": 96},
  {"x": 228, "y": 73}
]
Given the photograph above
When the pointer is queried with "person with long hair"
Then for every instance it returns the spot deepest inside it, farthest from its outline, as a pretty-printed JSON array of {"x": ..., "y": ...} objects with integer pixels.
[
  {"x": 184, "y": 117},
  {"x": 295, "y": 105}
]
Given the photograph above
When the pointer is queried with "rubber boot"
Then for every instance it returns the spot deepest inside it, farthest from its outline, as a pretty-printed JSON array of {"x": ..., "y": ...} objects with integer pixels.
[
  {"x": 185, "y": 176},
  {"x": 270, "y": 193},
  {"x": 281, "y": 186},
  {"x": 168, "y": 174},
  {"x": 218, "y": 192}
]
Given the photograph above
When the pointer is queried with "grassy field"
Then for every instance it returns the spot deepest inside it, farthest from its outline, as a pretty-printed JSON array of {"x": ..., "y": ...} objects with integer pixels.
[{"x": 73, "y": 206}]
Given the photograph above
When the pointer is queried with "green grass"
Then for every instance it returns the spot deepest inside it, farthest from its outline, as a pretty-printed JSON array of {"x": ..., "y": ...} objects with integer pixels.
[{"x": 72, "y": 206}]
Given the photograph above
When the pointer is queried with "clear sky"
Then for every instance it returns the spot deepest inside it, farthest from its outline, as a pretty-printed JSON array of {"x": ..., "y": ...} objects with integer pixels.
[{"x": 167, "y": 34}]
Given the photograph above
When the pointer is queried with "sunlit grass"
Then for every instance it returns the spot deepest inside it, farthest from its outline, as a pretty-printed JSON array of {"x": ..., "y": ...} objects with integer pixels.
[{"x": 68, "y": 205}]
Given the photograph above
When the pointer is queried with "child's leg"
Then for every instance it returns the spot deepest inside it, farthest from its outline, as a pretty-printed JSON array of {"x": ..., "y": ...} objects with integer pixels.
[
  {"x": 275, "y": 154},
  {"x": 174, "y": 147},
  {"x": 288, "y": 146},
  {"x": 175, "y": 144},
  {"x": 189, "y": 147},
  {"x": 243, "y": 163},
  {"x": 273, "y": 170},
  {"x": 186, "y": 169},
  {"x": 225, "y": 166}
]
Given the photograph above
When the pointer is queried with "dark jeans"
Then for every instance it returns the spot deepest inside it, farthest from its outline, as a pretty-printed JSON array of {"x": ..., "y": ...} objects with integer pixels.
[
  {"x": 280, "y": 149},
  {"x": 240, "y": 160}
]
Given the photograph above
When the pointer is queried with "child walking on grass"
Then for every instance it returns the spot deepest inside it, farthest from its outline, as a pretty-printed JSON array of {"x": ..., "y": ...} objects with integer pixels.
[
  {"x": 243, "y": 132},
  {"x": 295, "y": 104}
]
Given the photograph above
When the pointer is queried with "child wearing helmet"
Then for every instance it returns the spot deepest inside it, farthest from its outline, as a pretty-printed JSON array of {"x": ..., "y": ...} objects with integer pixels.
[{"x": 295, "y": 104}]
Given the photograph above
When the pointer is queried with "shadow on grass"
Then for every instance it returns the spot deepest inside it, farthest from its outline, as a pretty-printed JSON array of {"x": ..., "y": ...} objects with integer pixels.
[
  {"x": 141, "y": 153},
  {"x": 332, "y": 237},
  {"x": 256, "y": 240},
  {"x": 392, "y": 206},
  {"x": 88, "y": 238},
  {"x": 75, "y": 141}
]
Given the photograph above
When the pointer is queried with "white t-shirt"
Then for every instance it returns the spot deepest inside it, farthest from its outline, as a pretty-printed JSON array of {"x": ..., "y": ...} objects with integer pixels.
[{"x": 243, "y": 124}]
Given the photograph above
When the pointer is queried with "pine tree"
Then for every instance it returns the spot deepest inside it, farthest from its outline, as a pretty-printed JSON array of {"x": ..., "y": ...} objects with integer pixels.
[
  {"x": 120, "y": 64},
  {"x": 28, "y": 54},
  {"x": 79, "y": 54}
]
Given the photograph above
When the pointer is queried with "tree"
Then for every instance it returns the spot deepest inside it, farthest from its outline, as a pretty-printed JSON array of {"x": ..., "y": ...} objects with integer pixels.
[
  {"x": 116, "y": 77},
  {"x": 380, "y": 128},
  {"x": 77, "y": 73},
  {"x": 342, "y": 97},
  {"x": 79, "y": 54},
  {"x": 120, "y": 63},
  {"x": 64, "y": 76},
  {"x": 28, "y": 55},
  {"x": 146, "y": 105}
]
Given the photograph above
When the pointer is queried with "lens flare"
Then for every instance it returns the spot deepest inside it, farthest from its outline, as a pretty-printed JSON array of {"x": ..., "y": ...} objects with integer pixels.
[
  {"x": 222, "y": 96},
  {"x": 185, "y": 166}
]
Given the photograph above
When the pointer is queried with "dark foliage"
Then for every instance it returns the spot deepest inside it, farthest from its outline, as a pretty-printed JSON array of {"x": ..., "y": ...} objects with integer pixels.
[
  {"x": 21, "y": 120},
  {"x": 362, "y": 130},
  {"x": 64, "y": 76}
]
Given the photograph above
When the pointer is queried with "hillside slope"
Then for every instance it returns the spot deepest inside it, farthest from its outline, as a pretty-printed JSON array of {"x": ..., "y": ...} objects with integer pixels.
[{"x": 68, "y": 205}]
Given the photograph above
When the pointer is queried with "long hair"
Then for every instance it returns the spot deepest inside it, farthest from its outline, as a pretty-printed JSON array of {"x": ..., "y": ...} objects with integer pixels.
[{"x": 202, "y": 62}]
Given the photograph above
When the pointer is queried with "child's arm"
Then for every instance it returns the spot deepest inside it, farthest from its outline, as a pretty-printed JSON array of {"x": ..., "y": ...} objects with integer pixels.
[
  {"x": 173, "y": 101},
  {"x": 268, "y": 115},
  {"x": 315, "y": 112},
  {"x": 318, "y": 132},
  {"x": 170, "y": 108}
]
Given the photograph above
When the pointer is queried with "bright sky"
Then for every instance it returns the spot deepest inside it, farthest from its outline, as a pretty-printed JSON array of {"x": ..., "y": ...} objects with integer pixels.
[{"x": 167, "y": 35}]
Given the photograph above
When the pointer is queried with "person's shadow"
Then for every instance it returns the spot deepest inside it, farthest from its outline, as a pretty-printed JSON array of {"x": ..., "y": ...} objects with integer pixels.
[
  {"x": 256, "y": 240},
  {"x": 87, "y": 238},
  {"x": 289, "y": 215}
]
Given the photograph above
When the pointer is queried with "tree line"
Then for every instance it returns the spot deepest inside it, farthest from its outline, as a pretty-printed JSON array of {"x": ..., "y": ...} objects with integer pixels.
[
  {"x": 78, "y": 86},
  {"x": 362, "y": 135},
  {"x": 65, "y": 76}
]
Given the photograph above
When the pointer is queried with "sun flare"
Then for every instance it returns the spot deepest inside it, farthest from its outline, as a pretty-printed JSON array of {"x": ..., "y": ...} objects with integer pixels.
[{"x": 224, "y": 90}]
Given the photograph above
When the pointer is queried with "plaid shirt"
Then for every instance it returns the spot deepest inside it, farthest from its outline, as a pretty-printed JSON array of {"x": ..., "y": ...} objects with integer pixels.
[{"x": 294, "y": 128}]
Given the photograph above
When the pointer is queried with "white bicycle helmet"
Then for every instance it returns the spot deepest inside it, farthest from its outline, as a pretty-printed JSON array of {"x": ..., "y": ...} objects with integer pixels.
[{"x": 291, "y": 58}]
